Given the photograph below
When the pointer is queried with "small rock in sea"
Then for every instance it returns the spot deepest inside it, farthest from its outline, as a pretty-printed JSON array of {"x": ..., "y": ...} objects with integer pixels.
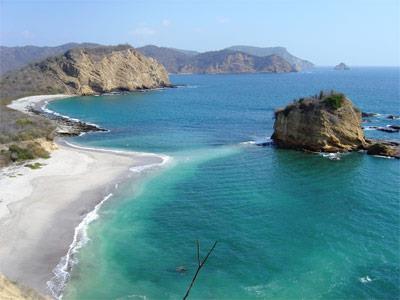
[
  {"x": 393, "y": 117},
  {"x": 368, "y": 115},
  {"x": 383, "y": 149},
  {"x": 387, "y": 129},
  {"x": 181, "y": 269}
]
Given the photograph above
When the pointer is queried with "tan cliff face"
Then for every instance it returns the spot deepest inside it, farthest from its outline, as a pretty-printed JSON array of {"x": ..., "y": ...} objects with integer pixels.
[
  {"x": 86, "y": 72},
  {"x": 329, "y": 124},
  {"x": 83, "y": 71}
]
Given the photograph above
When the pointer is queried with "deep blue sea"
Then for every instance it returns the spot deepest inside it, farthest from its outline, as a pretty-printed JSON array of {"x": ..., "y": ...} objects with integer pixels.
[{"x": 289, "y": 225}]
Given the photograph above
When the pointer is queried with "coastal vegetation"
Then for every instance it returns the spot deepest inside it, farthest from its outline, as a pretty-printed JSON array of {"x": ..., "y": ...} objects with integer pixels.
[
  {"x": 34, "y": 166},
  {"x": 20, "y": 135},
  {"x": 334, "y": 100},
  {"x": 21, "y": 152}
]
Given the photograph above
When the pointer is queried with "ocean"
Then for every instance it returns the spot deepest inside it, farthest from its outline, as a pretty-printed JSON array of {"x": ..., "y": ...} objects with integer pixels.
[{"x": 289, "y": 225}]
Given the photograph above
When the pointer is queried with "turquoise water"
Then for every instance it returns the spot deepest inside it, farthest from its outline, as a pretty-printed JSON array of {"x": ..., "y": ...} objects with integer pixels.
[{"x": 290, "y": 225}]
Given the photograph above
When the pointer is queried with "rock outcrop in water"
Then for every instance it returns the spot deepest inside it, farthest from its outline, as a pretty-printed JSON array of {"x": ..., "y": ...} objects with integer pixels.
[
  {"x": 86, "y": 71},
  {"x": 326, "y": 123}
]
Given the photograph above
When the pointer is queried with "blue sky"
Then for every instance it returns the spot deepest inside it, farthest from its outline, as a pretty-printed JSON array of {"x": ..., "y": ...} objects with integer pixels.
[{"x": 358, "y": 32}]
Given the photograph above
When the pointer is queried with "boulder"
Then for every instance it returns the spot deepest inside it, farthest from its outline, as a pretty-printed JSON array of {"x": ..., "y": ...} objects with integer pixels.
[{"x": 383, "y": 149}]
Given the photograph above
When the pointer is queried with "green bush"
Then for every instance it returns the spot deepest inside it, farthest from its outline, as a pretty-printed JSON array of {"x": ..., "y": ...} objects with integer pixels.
[
  {"x": 34, "y": 166},
  {"x": 30, "y": 151},
  {"x": 24, "y": 122},
  {"x": 17, "y": 153},
  {"x": 334, "y": 101}
]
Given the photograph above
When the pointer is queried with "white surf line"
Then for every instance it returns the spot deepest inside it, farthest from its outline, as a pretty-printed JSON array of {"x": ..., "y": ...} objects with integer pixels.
[
  {"x": 165, "y": 158},
  {"x": 44, "y": 109},
  {"x": 61, "y": 272},
  {"x": 26, "y": 103}
]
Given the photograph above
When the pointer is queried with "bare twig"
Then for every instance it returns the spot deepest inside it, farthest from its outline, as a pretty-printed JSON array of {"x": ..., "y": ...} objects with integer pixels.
[
  {"x": 198, "y": 252},
  {"x": 200, "y": 265}
]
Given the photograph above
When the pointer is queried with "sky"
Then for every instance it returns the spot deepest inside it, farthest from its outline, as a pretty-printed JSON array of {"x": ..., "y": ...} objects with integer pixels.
[{"x": 357, "y": 32}]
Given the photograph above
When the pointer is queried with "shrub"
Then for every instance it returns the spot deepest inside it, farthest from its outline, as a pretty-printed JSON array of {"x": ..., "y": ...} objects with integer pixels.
[
  {"x": 30, "y": 151},
  {"x": 334, "y": 101},
  {"x": 17, "y": 153},
  {"x": 23, "y": 122},
  {"x": 34, "y": 166}
]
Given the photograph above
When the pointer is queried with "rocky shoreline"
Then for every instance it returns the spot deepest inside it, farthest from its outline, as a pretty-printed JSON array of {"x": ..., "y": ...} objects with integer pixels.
[{"x": 67, "y": 126}]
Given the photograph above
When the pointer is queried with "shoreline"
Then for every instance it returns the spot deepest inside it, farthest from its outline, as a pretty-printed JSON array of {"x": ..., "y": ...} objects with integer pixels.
[{"x": 44, "y": 213}]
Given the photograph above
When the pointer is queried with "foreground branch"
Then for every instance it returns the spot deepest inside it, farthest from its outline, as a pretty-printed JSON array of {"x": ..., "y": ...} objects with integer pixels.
[{"x": 199, "y": 266}]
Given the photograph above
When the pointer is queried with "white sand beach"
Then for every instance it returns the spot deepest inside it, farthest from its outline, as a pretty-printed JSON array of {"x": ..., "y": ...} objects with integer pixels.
[
  {"x": 23, "y": 104},
  {"x": 40, "y": 208}
]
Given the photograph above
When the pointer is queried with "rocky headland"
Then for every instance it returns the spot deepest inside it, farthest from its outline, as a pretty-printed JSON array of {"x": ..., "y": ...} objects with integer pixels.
[
  {"x": 235, "y": 59},
  {"x": 328, "y": 122},
  {"x": 79, "y": 71},
  {"x": 86, "y": 71}
]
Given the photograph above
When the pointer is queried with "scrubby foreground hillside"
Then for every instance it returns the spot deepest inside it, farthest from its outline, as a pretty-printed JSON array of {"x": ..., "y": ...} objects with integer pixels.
[
  {"x": 11, "y": 291},
  {"x": 84, "y": 71}
]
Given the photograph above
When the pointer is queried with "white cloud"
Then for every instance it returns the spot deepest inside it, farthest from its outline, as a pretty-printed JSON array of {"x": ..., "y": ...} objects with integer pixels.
[
  {"x": 143, "y": 31},
  {"x": 166, "y": 23},
  {"x": 222, "y": 20}
]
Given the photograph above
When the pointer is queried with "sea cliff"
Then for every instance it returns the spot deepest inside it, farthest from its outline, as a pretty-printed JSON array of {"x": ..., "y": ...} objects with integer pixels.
[
  {"x": 86, "y": 71},
  {"x": 328, "y": 122}
]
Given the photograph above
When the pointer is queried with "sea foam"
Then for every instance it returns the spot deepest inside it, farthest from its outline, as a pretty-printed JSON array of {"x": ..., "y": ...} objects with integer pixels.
[{"x": 61, "y": 272}]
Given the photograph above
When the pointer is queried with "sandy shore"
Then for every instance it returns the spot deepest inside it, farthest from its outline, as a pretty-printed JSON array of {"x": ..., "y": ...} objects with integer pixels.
[
  {"x": 41, "y": 210},
  {"x": 23, "y": 104}
]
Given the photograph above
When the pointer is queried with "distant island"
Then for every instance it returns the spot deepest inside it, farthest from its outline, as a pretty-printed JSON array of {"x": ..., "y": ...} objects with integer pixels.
[
  {"x": 342, "y": 66},
  {"x": 235, "y": 59}
]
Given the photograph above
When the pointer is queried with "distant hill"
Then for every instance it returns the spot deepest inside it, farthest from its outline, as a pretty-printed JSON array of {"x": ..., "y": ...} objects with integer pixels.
[
  {"x": 172, "y": 59},
  {"x": 226, "y": 61},
  {"x": 222, "y": 61},
  {"x": 85, "y": 71},
  {"x": 236, "y": 59},
  {"x": 12, "y": 58},
  {"x": 280, "y": 51}
]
